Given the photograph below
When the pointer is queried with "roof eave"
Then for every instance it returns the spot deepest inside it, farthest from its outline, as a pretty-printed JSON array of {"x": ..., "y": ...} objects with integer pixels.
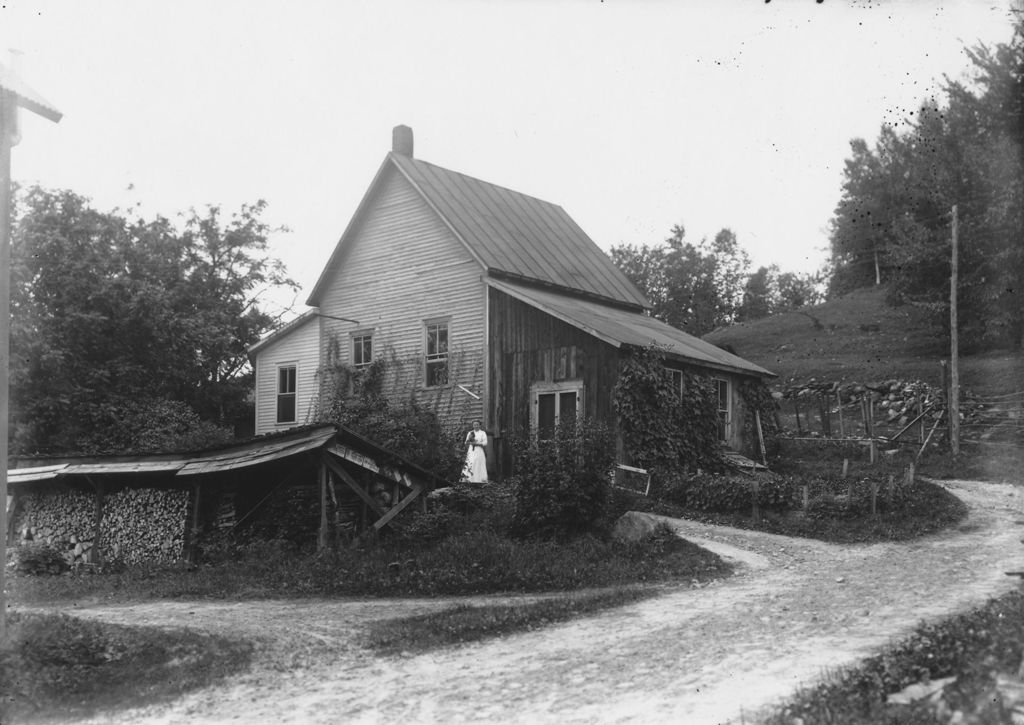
[
  {"x": 314, "y": 297},
  {"x": 759, "y": 372},
  {"x": 283, "y": 331},
  {"x": 500, "y": 274}
]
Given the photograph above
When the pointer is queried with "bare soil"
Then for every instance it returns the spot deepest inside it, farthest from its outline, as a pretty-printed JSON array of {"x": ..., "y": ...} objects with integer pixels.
[{"x": 692, "y": 654}]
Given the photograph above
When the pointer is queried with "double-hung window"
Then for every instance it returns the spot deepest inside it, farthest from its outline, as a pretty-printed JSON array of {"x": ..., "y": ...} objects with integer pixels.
[
  {"x": 436, "y": 353},
  {"x": 555, "y": 404},
  {"x": 362, "y": 350},
  {"x": 286, "y": 389},
  {"x": 677, "y": 381},
  {"x": 724, "y": 409}
]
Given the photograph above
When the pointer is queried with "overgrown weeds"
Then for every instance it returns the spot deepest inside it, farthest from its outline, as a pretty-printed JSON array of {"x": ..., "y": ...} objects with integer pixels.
[
  {"x": 442, "y": 553},
  {"x": 873, "y": 502},
  {"x": 982, "y": 649},
  {"x": 56, "y": 668}
]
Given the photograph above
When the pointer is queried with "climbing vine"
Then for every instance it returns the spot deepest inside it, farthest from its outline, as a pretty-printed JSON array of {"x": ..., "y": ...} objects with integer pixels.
[
  {"x": 354, "y": 399},
  {"x": 664, "y": 426}
]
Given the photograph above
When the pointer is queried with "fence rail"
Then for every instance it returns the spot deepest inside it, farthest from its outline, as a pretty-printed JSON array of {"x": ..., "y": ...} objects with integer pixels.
[{"x": 903, "y": 413}]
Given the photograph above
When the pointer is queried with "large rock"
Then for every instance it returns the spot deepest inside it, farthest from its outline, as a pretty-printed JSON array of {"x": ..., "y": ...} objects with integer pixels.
[{"x": 633, "y": 526}]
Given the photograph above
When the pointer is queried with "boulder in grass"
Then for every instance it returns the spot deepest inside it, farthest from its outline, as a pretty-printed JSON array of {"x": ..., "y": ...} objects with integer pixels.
[{"x": 634, "y": 526}]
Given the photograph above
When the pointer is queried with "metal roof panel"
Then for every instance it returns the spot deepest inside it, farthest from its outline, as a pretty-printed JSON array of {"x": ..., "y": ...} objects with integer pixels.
[
  {"x": 621, "y": 327},
  {"x": 520, "y": 234}
]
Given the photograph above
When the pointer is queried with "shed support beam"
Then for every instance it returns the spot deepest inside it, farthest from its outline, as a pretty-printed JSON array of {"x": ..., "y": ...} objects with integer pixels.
[
  {"x": 397, "y": 509},
  {"x": 346, "y": 478}
]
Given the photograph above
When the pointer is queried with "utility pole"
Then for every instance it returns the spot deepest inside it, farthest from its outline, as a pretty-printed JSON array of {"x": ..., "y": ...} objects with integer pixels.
[
  {"x": 14, "y": 94},
  {"x": 954, "y": 339}
]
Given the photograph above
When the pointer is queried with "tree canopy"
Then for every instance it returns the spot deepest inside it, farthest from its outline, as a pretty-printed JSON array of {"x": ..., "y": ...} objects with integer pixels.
[
  {"x": 893, "y": 221},
  {"x": 132, "y": 334},
  {"x": 694, "y": 287},
  {"x": 700, "y": 287}
]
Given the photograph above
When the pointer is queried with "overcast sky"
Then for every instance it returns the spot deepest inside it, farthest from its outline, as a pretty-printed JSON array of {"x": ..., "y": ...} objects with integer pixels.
[{"x": 633, "y": 116}]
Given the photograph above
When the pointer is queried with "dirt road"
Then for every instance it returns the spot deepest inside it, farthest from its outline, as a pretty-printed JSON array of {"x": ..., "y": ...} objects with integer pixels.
[{"x": 706, "y": 655}]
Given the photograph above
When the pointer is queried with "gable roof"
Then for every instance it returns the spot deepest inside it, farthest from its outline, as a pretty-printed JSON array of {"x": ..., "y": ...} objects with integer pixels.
[
  {"x": 285, "y": 330},
  {"x": 512, "y": 235},
  {"x": 619, "y": 327}
]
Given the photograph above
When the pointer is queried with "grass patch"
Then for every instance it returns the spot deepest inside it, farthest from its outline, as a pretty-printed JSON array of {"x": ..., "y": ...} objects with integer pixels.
[
  {"x": 982, "y": 649},
  {"x": 56, "y": 668},
  {"x": 925, "y": 509},
  {"x": 999, "y": 464},
  {"x": 858, "y": 337},
  {"x": 473, "y": 562},
  {"x": 917, "y": 510},
  {"x": 467, "y": 623}
]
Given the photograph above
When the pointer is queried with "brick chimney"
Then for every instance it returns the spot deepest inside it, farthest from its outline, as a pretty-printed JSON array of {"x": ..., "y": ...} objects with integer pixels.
[{"x": 401, "y": 140}]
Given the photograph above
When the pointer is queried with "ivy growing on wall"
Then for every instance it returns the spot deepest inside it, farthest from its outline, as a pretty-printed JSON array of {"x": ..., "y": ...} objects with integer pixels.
[
  {"x": 354, "y": 399},
  {"x": 757, "y": 398},
  {"x": 662, "y": 426}
]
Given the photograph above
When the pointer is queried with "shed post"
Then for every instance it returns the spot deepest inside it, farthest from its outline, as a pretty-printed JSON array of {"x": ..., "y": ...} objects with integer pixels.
[
  {"x": 321, "y": 541},
  {"x": 13, "y": 94}
]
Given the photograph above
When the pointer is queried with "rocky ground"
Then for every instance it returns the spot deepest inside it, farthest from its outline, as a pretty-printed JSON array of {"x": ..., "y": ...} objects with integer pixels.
[{"x": 710, "y": 654}]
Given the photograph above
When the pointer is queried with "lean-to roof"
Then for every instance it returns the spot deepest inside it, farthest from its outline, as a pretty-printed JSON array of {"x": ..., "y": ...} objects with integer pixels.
[{"x": 619, "y": 327}]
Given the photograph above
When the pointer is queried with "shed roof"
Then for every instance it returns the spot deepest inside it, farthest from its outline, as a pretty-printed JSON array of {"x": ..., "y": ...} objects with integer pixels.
[
  {"x": 252, "y": 456},
  {"x": 512, "y": 235},
  {"x": 620, "y": 327},
  {"x": 239, "y": 455},
  {"x": 35, "y": 473}
]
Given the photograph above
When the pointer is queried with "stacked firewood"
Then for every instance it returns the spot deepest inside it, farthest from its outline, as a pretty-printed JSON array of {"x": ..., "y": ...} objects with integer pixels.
[
  {"x": 144, "y": 524},
  {"x": 64, "y": 521}
]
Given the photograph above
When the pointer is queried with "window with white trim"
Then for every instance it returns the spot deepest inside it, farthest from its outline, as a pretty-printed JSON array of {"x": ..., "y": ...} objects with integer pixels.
[
  {"x": 554, "y": 404},
  {"x": 362, "y": 350},
  {"x": 724, "y": 409},
  {"x": 677, "y": 381},
  {"x": 435, "y": 359},
  {"x": 286, "y": 390}
]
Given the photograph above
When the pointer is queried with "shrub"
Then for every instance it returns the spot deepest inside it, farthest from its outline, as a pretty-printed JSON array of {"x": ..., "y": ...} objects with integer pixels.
[
  {"x": 729, "y": 492},
  {"x": 37, "y": 558},
  {"x": 561, "y": 486},
  {"x": 354, "y": 399}
]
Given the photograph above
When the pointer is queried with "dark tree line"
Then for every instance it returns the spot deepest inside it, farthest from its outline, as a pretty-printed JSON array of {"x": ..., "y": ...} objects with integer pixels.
[
  {"x": 893, "y": 222},
  {"x": 131, "y": 334},
  {"x": 700, "y": 287}
]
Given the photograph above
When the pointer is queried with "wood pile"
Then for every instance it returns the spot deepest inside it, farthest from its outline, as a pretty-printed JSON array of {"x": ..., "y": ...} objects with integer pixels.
[
  {"x": 144, "y": 524},
  {"x": 65, "y": 521}
]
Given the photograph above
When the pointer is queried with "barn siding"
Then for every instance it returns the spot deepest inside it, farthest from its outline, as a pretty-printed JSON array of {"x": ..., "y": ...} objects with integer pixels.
[
  {"x": 401, "y": 267},
  {"x": 529, "y": 346},
  {"x": 301, "y": 347}
]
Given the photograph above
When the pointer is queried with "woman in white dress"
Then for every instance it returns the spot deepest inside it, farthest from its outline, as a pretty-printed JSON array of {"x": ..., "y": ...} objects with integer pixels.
[{"x": 475, "y": 470}]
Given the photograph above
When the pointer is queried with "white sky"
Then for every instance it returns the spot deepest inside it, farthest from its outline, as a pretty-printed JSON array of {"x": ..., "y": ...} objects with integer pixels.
[{"x": 633, "y": 116}]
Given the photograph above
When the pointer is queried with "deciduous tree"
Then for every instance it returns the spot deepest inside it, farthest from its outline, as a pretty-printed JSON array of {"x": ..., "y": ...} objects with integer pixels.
[{"x": 113, "y": 316}]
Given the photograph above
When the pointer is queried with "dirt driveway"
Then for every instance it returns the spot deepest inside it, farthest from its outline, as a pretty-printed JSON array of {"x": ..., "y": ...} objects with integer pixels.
[{"x": 705, "y": 655}]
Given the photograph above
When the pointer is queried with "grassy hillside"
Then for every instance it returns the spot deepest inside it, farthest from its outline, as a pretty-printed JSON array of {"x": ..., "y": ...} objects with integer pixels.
[{"x": 859, "y": 338}]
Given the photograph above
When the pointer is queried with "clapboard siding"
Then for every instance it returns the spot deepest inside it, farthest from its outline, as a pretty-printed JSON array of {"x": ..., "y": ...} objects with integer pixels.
[
  {"x": 301, "y": 347},
  {"x": 401, "y": 267}
]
